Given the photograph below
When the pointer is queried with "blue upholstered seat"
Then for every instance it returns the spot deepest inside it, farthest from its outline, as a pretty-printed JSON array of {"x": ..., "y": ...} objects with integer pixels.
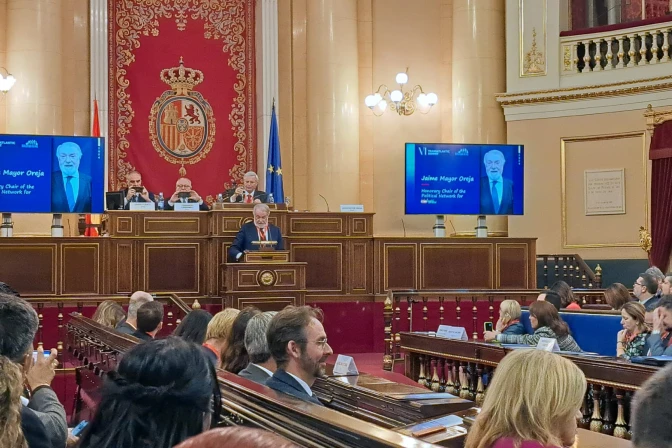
[{"x": 593, "y": 332}]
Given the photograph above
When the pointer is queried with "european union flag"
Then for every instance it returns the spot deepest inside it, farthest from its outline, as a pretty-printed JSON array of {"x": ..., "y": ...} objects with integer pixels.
[{"x": 274, "y": 167}]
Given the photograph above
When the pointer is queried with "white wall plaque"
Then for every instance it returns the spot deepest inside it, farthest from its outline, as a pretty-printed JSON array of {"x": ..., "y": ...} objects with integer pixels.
[{"x": 604, "y": 192}]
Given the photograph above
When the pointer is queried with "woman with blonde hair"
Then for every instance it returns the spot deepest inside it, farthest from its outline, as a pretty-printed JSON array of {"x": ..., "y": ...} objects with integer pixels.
[
  {"x": 509, "y": 320},
  {"x": 11, "y": 386},
  {"x": 109, "y": 313},
  {"x": 532, "y": 402},
  {"x": 216, "y": 337},
  {"x": 631, "y": 340}
]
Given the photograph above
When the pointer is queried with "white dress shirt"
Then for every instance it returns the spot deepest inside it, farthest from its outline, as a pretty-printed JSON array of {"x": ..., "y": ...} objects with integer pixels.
[{"x": 245, "y": 193}]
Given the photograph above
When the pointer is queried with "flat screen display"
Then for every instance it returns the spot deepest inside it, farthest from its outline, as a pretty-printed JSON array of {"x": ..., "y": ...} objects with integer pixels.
[
  {"x": 51, "y": 174},
  {"x": 461, "y": 179}
]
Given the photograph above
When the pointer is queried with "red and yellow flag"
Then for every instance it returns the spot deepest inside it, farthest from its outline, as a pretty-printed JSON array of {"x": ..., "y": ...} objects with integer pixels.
[{"x": 92, "y": 219}]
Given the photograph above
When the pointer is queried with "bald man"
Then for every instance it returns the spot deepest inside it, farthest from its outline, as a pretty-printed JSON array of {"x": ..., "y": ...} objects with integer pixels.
[
  {"x": 184, "y": 193},
  {"x": 70, "y": 189}
]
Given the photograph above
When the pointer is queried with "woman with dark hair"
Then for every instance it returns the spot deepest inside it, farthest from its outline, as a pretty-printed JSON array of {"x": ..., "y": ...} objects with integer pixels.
[
  {"x": 567, "y": 299},
  {"x": 194, "y": 326},
  {"x": 631, "y": 340},
  {"x": 163, "y": 392},
  {"x": 235, "y": 357},
  {"x": 546, "y": 323},
  {"x": 617, "y": 295}
]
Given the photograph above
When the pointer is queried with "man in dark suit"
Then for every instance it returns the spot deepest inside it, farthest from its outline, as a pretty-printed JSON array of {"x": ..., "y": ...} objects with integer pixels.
[
  {"x": 298, "y": 343},
  {"x": 247, "y": 193},
  {"x": 258, "y": 230},
  {"x": 130, "y": 324},
  {"x": 184, "y": 193},
  {"x": 70, "y": 189},
  {"x": 496, "y": 192},
  {"x": 135, "y": 191},
  {"x": 150, "y": 321},
  {"x": 262, "y": 365}
]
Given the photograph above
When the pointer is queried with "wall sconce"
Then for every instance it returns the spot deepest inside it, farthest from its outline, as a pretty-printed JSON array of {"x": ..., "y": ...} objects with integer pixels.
[
  {"x": 400, "y": 101},
  {"x": 6, "y": 82}
]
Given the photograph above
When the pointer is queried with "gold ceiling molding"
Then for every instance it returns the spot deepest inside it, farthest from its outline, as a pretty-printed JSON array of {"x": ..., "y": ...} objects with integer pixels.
[
  {"x": 573, "y": 89},
  {"x": 535, "y": 62},
  {"x": 589, "y": 95},
  {"x": 656, "y": 117}
]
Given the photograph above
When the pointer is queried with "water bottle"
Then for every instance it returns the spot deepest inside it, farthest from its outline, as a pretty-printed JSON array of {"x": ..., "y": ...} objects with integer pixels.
[
  {"x": 220, "y": 198},
  {"x": 270, "y": 198},
  {"x": 161, "y": 201}
]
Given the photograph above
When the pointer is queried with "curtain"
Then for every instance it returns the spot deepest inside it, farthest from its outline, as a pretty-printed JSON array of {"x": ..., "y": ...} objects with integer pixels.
[
  {"x": 578, "y": 13},
  {"x": 657, "y": 8},
  {"x": 661, "y": 195}
]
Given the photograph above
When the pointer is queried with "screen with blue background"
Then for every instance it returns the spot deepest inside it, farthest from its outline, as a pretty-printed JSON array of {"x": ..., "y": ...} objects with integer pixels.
[
  {"x": 34, "y": 179},
  {"x": 461, "y": 179}
]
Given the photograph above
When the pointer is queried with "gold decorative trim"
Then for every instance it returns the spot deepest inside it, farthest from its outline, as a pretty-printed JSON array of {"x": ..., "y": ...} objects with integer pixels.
[
  {"x": 563, "y": 185},
  {"x": 656, "y": 117},
  {"x": 533, "y": 63}
]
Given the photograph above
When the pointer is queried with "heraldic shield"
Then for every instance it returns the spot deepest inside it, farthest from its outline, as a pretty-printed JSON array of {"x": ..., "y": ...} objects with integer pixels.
[{"x": 181, "y": 121}]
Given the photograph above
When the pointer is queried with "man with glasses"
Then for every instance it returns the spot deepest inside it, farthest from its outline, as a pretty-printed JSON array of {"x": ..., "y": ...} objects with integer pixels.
[
  {"x": 298, "y": 343},
  {"x": 257, "y": 230},
  {"x": 70, "y": 189},
  {"x": 184, "y": 194},
  {"x": 644, "y": 289}
]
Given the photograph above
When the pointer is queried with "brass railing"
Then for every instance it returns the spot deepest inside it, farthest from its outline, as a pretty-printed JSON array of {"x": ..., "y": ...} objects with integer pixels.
[{"x": 570, "y": 268}]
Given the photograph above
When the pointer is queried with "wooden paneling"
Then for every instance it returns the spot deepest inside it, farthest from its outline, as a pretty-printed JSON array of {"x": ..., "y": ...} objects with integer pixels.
[
  {"x": 29, "y": 266},
  {"x": 452, "y": 266},
  {"x": 397, "y": 266},
  {"x": 121, "y": 266},
  {"x": 172, "y": 225},
  {"x": 360, "y": 267},
  {"x": 80, "y": 268},
  {"x": 512, "y": 260},
  {"x": 172, "y": 267},
  {"x": 326, "y": 265}
]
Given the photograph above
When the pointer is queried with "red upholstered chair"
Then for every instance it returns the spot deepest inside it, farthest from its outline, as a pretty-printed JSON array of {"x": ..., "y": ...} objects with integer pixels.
[{"x": 238, "y": 437}]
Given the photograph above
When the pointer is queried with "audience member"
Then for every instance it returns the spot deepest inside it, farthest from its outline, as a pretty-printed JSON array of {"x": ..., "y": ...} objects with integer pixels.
[
  {"x": 508, "y": 322},
  {"x": 551, "y": 297},
  {"x": 194, "y": 326},
  {"x": 237, "y": 436},
  {"x": 262, "y": 365},
  {"x": 12, "y": 435},
  {"x": 109, "y": 313},
  {"x": 532, "y": 402},
  {"x": 150, "y": 321},
  {"x": 660, "y": 341},
  {"x": 6, "y": 289},
  {"x": 235, "y": 356},
  {"x": 546, "y": 323},
  {"x": 18, "y": 326},
  {"x": 299, "y": 346},
  {"x": 651, "y": 412},
  {"x": 218, "y": 332},
  {"x": 659, "y": 277},
  {"x": 130, "y": 325},
  {"x": 617, "y": 295},
  {"x": 161, "y": 394},
  {"x": 666, "y": 286},
  {"x": 567, "y": 299},
  {"x": 631, "y": 340},
  {"x": 645, "y": 288}
]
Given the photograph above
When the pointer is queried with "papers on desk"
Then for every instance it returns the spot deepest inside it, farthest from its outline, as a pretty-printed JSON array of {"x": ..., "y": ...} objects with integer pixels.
[
  {"x": 652, "y": 360},
  {"x": 446, "y": 422},
  {"x": 516, "y": 346}
]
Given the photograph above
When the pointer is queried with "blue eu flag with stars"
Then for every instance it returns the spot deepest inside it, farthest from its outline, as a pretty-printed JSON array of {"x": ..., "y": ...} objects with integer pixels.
[{"x": 274, "y": 167}]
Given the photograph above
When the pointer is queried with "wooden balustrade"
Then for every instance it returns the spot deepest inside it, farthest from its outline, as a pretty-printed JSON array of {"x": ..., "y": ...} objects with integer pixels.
[
  {"x": 571, "y": 269},
  {"x": 483, "y": 306},
  {"x": 465, "y": 369}
]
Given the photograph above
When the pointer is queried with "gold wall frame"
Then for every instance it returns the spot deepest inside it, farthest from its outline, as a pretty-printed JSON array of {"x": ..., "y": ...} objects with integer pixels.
[
  {"x": 563, "y": 184},
  {"x": 521, "y": 40}
]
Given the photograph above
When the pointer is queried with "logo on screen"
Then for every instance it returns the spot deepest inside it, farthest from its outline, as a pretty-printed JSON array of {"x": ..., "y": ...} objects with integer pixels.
[
  {"x": 181, "y": 121},
  {"x": 30, "y": 144},
  {"x": 6, "y": 143},
  {"x": 462, "y": 152}
]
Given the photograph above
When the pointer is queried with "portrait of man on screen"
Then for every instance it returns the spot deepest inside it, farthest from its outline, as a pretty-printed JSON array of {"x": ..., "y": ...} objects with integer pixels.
[
  {"x": 70, "y": 188},
  {"x": 496, "y": 191}
]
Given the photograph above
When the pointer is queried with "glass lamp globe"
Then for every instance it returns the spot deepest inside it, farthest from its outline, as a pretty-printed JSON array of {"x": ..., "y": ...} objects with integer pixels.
[
  {"x": 432, "y": 99},
  {"x": 396, "y": 96},
  {"x": 370, "y": 101},
  {"x": 6, "y": 83},
  {"x": 402, "y": 78},
  {"x": 422, "y": 99},
  {"x": 382, "y": 105}
]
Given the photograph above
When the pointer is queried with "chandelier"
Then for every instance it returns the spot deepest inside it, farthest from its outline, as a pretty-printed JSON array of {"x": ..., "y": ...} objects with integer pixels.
[
  {"x": 400, "y": 101},
  {"x": 6, "y": 82}
]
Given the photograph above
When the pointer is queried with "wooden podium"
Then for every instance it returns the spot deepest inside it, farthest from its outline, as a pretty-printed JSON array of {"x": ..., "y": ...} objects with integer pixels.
[{"x": 267, "y": 280}]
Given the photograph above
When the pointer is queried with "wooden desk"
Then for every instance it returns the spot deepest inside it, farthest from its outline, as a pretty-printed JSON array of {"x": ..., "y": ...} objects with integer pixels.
[{"x": 268, "y": 286}]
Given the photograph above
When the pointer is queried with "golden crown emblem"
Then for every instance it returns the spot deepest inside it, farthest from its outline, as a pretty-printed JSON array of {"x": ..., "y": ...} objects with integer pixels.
[{"x": 182, "y": 79}]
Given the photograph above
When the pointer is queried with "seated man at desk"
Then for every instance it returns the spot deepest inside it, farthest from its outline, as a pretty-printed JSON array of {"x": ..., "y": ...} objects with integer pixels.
[
  {"x": 184, "y": 194},
  {"x": 135, "y": 191},
  {"x": 247, "y": 193},
  {"x": 258, "y": 230}
]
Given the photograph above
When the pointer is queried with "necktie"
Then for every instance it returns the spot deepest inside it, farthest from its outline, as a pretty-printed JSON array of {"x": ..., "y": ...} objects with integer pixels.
[
  {"x": 495, "y": 197},
  {"x": 248, "y": 198},
  {"x": 262, "y": 234},
  {"x": 69, "y": 193}
]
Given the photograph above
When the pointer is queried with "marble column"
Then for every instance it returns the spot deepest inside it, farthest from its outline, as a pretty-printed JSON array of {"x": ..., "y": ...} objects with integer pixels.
[
  {"x": 479, "y": 72},
  {"x": 333, "y": 103}
]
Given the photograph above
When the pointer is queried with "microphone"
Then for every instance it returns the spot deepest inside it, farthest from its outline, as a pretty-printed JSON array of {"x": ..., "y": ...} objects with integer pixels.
[
  {"x": 325, "y": 201},
  {"x": 404, "y": 226}
]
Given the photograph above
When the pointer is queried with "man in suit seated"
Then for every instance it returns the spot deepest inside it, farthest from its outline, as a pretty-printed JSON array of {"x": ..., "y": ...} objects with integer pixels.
[
  {"x": 150, "y": 321},
  {"x": 135, "y": 191},
  {"x": 298, "y": 343},
  {"x": 130, "y": 324},
  {"x": 262, "y": 365},
  {"x": 660, "y": 340},
  {"x": 496, "y": 192},
  {"x": 70, "y": 189},
  {"x": 258, "y": 230},
  {"x": 184, "y": 193},
  {"x": 247, "y": 193}
]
